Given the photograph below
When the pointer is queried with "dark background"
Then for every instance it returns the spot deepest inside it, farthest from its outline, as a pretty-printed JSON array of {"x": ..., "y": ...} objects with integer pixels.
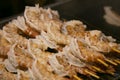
[{"x": 12, "y": 7}]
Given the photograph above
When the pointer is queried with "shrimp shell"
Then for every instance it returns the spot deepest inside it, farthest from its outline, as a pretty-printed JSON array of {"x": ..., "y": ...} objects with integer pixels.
[{"x": 12, "y": 36}]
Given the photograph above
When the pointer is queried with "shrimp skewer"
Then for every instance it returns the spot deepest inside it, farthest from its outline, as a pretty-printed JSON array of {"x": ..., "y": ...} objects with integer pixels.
[
  {"x": 47, "y": 21},
  {"x": 37, "y": 17},
  {"x": 70, "y": 64},
  {"x": 12, "y": 36},
  {"x": 94, "y": 38},
  {"x": 88, "y": 55},
  {"x": 83, "y": 52},
  {"x": 98, "y": 41},
  {"x": 55, "y": 34},
  {"x": 21, "y": 24},
  {"x": 76, "y": 50}
]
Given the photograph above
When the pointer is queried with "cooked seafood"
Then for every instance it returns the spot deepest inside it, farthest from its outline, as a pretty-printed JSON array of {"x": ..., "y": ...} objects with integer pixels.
[
  {"x": 21, "y": 24},
  {"x": 12, "y": 35},
  {"x": 45, "y": 20},
  {"x": 93, "y": 38},
  {"x": 40, "y": 46},
  {"x": 4, "y": 45}
]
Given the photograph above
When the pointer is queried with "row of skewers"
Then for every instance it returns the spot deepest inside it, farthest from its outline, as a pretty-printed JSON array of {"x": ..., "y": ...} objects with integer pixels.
[{"x": 40, "y": 46}]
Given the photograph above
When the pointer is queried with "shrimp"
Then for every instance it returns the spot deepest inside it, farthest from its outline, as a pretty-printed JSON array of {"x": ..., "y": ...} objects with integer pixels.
[
  {"x": 89, "y": 54},
  {"x": 46, "y": 71},
  {"x": 12, "y": 35},
  {"x": 36, "y": 17},
  {"x": 55, "y": 34},
  {"x": 21, "y": 24},
  {"x": 17, "y": 58},
  {"x": 4, "y": 45},
  {"x": 22, "y": 57},
  {"x": 73, "y": 28},
  {"x": 99, "y": 42}
]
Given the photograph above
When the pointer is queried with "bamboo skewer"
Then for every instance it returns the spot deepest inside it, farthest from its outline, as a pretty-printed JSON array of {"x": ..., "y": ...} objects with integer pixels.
[
  {"x": 77, "y": 78},
  {"x": 92, "y": 74},
  {"x": 117, "y": 61},
  {"x": 112, "y": 62},
  {"x": 98, "y": 69},
  {"x": 116, "y": 50},
  {"x": 102, "y": 62}
]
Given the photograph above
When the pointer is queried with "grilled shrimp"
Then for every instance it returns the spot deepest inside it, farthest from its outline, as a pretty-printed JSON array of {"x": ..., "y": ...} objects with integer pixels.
[
  {"x": 21, "y": 24},
  {"x": 73, "y": 28},
  {"x": 46, "y": 72},
  {"x": 99, "y": 42},
  {"x": 41, "y": 43},
  {"x": 17, "y": 58},
  {"x": 4, "y": 45},
  {"x": 36, "y": 17},
  {"x": 55, "y": 34},
  {"x": 12, "y": 35},
  {"x": 88, "y": 54},
  {"x": 22, "y": 56}
]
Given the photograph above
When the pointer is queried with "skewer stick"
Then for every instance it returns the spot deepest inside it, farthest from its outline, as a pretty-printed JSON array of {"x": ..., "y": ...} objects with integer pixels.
[
  {"x": 92, "y": 74},
  {"x": 98, "y": 69},
  {"x": 110, "y": 61},
  {"x": 76, "y": 77},
  {"x": 117, "y": 61},
  {"x": 116, "y": 50},
  {"x": 112, "y": 73},
  {"x": 101, "y": 61}
]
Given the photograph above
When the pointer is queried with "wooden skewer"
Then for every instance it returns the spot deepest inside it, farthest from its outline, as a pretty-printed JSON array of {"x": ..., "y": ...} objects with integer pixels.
[
  {"x": 76, "y": 77},
  {"x": 116, "y": 50},
  {"x": 112, "y": 62},
  {"x": 98, "y": 69},
  {"x": 112, "y": 73},
  {"x": 92, "y": 74},
  {"x": 117, "y": 61},
  {"x": 101, "y": 61}
]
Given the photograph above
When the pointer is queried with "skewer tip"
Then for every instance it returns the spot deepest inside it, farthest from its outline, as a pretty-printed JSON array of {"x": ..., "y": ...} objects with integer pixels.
[
  {"x": 116, "y": 50},
  {"x": 92, "y": 74},
  {"x": 102, "y": 62},
  {"x": 77, "y": 78},
  {"x": 117, "y": 61},
  {"x": 112, "y": 62},
  {"x": 98, "y": 69}
]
